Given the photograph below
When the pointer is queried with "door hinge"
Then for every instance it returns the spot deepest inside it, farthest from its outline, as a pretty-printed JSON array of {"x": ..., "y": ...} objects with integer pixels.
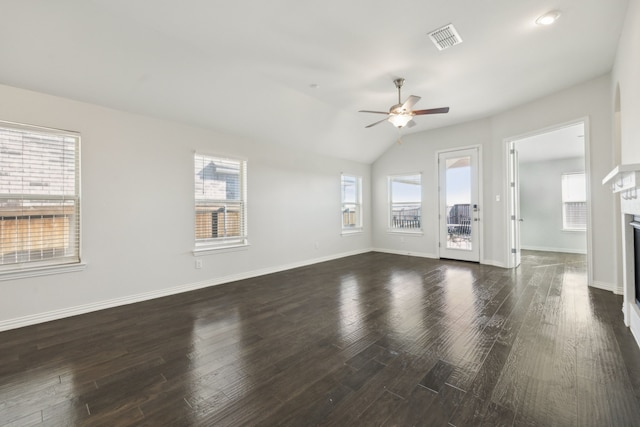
[
  {"x": 513, "y": 184},
  {"x": 513, "y": 217},
  {"x": 513, "y": 251},
  {"x": 512, "y": 151}
]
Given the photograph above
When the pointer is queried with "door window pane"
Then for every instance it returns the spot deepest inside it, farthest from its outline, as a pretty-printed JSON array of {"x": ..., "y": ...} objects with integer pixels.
[{"x": 458, "y": 202}]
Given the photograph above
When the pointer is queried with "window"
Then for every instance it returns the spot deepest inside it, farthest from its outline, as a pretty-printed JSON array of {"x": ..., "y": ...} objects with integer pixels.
[
  {"x": 351, "y": 203},
  {"x": 220, "y": 202},
  {"x": 574, "y": 201},
  {"x": 39, "y": 197},
  {"x": 405, "y": 201}
]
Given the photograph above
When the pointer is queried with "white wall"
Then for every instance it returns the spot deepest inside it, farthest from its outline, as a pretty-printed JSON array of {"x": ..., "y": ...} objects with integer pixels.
[
  {"x": 418, "y": 153},
  {"x": 590, "y": 99},
  {"x": 625, "y": 77},
  {"x": 137, "y": 209},
  {"x": 541, "y": 207}
]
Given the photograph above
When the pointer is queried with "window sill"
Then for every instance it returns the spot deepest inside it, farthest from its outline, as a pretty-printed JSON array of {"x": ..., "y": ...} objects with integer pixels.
[
  {"x": 46, "y": 270},
  {"x": 352, "y": 232},
  {"x": 208, "y": 250},
  {"x": 573, "y": 230},
  {"x": 406, "y": 232}
]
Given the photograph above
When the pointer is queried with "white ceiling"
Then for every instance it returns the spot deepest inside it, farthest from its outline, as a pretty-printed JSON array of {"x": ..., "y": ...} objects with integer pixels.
[
  {"x": 563, "y": 143},
  {"x": 246, "y": 67}
]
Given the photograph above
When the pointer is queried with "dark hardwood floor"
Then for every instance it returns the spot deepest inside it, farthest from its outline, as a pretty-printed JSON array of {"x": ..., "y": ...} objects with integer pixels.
[{"x": 374, "y": 339}]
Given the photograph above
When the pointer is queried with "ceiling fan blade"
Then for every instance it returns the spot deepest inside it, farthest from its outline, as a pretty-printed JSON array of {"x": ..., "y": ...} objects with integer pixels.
[
  {"x": 375, "y": 112},
  {"x": 373, "y": 124},
  {"x": 431, "y": 111},
  {"x": 410, "y": 102}
]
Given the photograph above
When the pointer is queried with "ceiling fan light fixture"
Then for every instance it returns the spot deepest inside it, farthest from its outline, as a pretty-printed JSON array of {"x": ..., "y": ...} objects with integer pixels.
[
  {"x": 548, "y": 18},
  {"x": 402, "y": 113},
  {"x": 400, "y": 120}
]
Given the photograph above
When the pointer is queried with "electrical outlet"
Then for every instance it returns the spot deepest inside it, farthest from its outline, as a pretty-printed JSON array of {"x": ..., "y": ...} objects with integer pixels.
[{"x": 198, "y": 263}]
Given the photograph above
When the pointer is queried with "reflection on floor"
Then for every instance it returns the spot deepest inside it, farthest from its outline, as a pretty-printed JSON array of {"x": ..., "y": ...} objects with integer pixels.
[{"x": 374, "y": 339}]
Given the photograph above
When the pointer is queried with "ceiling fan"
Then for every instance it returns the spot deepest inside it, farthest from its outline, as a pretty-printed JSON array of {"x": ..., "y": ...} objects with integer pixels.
[{"x": 401, "y": 114}]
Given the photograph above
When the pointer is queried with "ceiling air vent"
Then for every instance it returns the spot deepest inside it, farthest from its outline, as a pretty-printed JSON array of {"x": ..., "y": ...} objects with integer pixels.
[{"x": 445, "y": 37}]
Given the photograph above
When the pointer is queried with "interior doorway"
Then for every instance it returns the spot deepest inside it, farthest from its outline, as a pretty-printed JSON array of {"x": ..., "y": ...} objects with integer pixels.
[{"x": 548, "y": 191}]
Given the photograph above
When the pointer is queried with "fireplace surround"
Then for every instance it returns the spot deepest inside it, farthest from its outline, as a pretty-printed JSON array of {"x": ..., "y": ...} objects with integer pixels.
[{"x": 625, "y": 181}]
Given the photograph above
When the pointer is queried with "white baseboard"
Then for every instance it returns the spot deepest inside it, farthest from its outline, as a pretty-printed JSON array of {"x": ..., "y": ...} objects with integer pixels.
[
  {"x": 547, "y": 249},
  {"x": 616, "y": 289},
  {"x": 48, "y": 316},
  {"x": 634, "y": 322},
  {"x": 409, "y": 253}
]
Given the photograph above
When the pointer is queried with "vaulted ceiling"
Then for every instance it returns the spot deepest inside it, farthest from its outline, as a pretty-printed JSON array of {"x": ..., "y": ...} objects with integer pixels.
[{"x": 296, "y": 72}]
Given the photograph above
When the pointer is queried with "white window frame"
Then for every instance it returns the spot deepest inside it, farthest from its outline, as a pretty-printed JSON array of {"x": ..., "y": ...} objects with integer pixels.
[
  {"x": 209, "y": 244},
  {"x": 392, "y": 228},
  {"x": 567, "y": 198},
  {"x": 68, "y": 258},
  {"x": 355, "y": 207}
]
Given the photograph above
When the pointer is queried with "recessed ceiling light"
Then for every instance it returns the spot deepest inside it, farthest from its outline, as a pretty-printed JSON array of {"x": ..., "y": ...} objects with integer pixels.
[{"x": 548, "y": 18}]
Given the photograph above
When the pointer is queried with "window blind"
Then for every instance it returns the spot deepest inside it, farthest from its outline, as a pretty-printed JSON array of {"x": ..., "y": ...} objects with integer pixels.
[
  {"x": 220, "y": 200},
  {"x": 574, "y": 201},
  {"x": 39, "y": 197}
]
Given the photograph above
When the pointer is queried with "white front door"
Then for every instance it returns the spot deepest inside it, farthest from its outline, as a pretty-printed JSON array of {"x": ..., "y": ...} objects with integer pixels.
[{"x": 459, "y": 209}]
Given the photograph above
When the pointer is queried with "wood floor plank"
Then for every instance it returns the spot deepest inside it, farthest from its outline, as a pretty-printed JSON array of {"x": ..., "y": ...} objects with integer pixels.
[
  {"x": 413, "y": 410},
  {"x": 372, "y": 339},
  {"x": 445, "y": 406},
  {"x": 380, "y": 410}
]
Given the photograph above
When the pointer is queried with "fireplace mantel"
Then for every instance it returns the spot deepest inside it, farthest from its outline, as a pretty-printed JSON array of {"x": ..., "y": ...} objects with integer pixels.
[{"x": 624, "y": 179}]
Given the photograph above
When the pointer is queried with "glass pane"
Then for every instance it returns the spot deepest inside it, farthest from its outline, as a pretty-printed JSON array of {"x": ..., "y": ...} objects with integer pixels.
[
  {"x": 458, "y": 202},
  {"x": 405, "y": 215},
  {"x": 406, "y": 189},
  {"x": 406, "y": 201},
  {"x": 37, "y": 230},
  {"x": 350, "y": 215},
  {"x": 37, "y": 164},
  {"x": 218, "y": 220},
  {"x": 217, "y": 179},
  {"x": 349, "y": 189}
]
